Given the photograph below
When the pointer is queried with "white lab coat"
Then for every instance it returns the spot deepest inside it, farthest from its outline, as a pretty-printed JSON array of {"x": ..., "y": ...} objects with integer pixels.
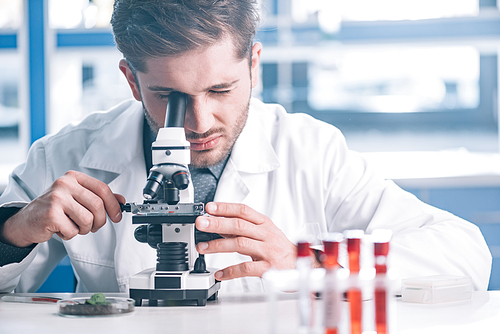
[{"x": 290, "y": 167}]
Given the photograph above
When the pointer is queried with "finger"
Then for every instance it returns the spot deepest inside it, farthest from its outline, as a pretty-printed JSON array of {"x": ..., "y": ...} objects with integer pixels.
[
  {"x": 43, "y": 220},
  {"x": 68, "y": 199},
  {"x": 65, "y": 227},
  {"x": 87, "y": 211},
  {"x": 68, "y": 230},
  {"x": 120, "y": 198},
  {"x": 240, "y": 245},
  {"x": 229, "y": 227},
  {"x": 102, "y": 190},
  {"x": 235, "y": 210},
  {"x": 255, "y": 268}
]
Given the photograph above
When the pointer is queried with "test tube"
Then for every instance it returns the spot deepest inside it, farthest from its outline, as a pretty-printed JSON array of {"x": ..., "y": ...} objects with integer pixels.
[
  {"x": 381, "y": 240},
  {"x": 354, "y": 293},
  {"x": 303, "y": 266},
  {"x": 332, "y": 293}
]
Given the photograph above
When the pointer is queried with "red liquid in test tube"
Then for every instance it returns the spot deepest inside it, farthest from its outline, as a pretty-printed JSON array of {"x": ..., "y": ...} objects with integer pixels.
[
  {"x": 354, "y": 294},
  {"x": 381, "y": 250},
  {"x": 303, "y": 265},
  {"x": 332, "y": 297}
]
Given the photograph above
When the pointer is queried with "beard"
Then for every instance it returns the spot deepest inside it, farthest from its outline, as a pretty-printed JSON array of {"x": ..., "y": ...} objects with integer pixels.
[{"x": 216, "y": 155}]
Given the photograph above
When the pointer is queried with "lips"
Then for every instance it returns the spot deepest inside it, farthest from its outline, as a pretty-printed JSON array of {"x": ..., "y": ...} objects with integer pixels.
[{"x": 204, "y": 144}]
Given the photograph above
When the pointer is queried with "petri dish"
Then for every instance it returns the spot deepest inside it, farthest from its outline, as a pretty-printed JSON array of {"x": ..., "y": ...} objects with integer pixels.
[{"x": 76, "y": 307}]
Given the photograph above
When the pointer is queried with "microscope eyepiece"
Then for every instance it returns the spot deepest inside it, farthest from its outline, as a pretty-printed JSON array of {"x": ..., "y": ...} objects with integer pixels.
[
  {"x": 155, "y": 180},
  {"x": 176, "y": 110}
]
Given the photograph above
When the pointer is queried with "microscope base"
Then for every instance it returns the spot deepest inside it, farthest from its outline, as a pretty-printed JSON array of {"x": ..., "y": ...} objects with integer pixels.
[
  {"x": 173, "y": 287},
  {"x": 199, "y": 296}
]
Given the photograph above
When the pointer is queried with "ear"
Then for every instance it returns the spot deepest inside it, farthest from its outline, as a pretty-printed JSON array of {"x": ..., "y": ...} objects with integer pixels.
[
  {"x": 129, "y": 75},
  {"x": 256, "y": 49}
]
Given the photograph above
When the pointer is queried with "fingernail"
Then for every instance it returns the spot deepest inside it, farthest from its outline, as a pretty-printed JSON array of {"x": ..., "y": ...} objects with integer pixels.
[
  {"x": 218, "y": 275},
  {"x": 202, "y": 246},
  {"x": 203, "y": 223},
  {"x": 118, "y": 217},
  {"x": 211, "y": 207}
]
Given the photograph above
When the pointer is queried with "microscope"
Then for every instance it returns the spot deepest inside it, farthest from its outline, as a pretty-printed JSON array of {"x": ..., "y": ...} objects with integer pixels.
[{"x": 166, "y": 221}]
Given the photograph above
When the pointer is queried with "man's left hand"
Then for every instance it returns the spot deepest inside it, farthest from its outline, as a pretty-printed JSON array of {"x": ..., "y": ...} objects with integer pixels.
[{"x": 246, "y": 232}]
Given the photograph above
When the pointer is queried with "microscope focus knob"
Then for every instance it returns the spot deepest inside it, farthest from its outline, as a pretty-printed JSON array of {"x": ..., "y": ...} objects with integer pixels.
[
  {"x": 150, "y": 233},
  {"x": 141, "y": 233}
]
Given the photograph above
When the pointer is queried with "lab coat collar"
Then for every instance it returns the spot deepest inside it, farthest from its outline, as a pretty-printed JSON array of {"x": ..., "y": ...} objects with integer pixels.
[
  {"x": 251, "y": 159},
  {"x": 120, "y": 140},
  {"x": 253, "y": 152}
]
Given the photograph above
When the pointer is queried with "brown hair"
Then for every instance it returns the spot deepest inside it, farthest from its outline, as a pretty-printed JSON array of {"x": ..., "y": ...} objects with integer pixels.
[{"x": 145, "y": 29}]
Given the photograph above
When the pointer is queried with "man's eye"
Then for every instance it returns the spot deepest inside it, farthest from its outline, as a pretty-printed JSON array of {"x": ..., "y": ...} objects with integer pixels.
[
  {"x": 221, "y": 92},
  {"x": 163, "y": 96}
]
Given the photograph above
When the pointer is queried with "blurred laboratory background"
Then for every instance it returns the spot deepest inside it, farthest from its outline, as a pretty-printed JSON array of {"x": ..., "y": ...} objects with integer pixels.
[{"x": 413, "y": 85}]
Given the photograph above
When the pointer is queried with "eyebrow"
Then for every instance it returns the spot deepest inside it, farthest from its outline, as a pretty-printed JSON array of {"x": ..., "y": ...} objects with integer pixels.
[
  {"x": 218, "y": 86},
  {"x": 160, "y": 89}
]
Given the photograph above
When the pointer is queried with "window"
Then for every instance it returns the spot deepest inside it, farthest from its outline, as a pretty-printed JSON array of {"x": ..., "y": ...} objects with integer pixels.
[
  {"x": 73, "y": 67},
  {"x": 386, "y": 69},
  {"x": 79, "y": 14},
  {"x": 84, "y": 81},
  {"x": 11, "y": 14},
  {"x": 10, "y": 110},
  {"x": 11, "y": 116}
]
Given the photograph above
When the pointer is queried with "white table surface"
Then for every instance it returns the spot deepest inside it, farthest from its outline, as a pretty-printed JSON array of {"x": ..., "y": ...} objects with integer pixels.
[{"x": 248, "y": 314}]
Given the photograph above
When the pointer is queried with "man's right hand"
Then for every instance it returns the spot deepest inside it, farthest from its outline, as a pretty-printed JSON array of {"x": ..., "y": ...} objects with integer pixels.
[{"x": 75, "y": 204}]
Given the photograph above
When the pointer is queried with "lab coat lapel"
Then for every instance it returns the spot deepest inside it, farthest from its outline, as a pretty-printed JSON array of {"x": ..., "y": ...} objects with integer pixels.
[
  {"x": 251, "y": 159},
  {"x": 126, "y": 170},
  {"x": 119, "y": 143}
]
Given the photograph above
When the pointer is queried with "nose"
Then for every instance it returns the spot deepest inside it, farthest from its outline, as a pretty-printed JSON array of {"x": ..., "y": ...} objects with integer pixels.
[{"x": 199, "y": 116}]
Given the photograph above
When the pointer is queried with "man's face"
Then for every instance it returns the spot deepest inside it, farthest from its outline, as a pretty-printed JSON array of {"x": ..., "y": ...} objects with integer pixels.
[{"x": 218, "y": 84}]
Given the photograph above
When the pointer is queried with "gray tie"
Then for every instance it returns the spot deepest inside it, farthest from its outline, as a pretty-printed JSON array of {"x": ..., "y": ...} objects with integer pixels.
[{"x": 204, "y": 183}]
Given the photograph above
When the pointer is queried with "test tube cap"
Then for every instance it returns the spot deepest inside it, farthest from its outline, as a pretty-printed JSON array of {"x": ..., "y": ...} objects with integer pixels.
[
  {"x": 381, "y": 235},
  {"x": 332, "y": 237},
  {"x": 354, "y": 234}
]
